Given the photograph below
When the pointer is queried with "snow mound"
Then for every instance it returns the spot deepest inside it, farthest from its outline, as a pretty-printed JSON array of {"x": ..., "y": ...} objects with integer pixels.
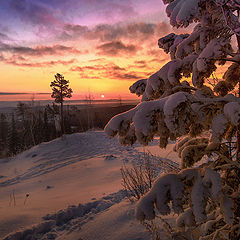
[{"x": 58, "y": 153}]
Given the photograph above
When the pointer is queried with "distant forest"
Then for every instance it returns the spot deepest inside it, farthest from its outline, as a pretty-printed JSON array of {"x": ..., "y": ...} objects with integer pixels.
[{"x": 29, "y": 125}]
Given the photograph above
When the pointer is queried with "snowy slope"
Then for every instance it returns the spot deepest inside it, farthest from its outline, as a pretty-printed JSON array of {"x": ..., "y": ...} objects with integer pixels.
[{"x": 81, "y": 168}]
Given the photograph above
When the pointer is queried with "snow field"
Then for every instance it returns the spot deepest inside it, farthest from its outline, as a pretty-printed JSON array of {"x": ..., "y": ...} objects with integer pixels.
[{"x": 75, "y": 182}]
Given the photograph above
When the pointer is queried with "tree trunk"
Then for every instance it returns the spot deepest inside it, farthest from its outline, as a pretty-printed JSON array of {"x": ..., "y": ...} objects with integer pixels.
[
  {"x": 238, "y": 129},
  {"x": 62, "y": 119}
]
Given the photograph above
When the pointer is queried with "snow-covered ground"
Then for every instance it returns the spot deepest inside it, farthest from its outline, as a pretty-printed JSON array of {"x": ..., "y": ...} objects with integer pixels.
[{"x": 70, "y": 188}]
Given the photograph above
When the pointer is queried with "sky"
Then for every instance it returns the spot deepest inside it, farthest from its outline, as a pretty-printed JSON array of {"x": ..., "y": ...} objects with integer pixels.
[{"x": 100, "y": 46}]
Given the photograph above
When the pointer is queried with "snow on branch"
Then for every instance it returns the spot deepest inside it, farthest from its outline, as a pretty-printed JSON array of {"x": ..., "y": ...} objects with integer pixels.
[
  {"x": 120, "y": 124},
  {"x": 185, "y": 60},
  {"x": 174, "y": 116},
  {"x": 187, "y": 45},
  {"x": 232, "y": 112},
  {"x": 165, "y": 81},
  {"x": 186, "y": 219},
  {"x": 213, "y": 182},
  {"x": 205, "y": 63},
  {"x": 166, "y": 189},
  {"x": 170, "y": 42},
  {"x": 178, "y": 112},
  {"x": 138, "y": 87},
  {"x": 220, "y": 124},
  {"x": 170, "y": 189},
  {"x": 183, "y": 12}
]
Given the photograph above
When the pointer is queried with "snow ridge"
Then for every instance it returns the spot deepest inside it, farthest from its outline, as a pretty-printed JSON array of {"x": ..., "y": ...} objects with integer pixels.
[{"x": 50, "y": 156}]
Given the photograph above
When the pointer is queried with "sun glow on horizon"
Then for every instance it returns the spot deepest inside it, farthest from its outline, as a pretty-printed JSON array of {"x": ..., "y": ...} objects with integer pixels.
[{"x": 86, "y": 54}]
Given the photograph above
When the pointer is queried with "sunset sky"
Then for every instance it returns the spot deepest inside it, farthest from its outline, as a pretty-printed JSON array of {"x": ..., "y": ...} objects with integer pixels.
[{"x": 101, "y": 46}]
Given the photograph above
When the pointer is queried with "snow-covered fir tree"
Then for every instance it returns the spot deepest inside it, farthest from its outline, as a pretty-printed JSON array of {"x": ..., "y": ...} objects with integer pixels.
[{"x": 177, "y": 104}]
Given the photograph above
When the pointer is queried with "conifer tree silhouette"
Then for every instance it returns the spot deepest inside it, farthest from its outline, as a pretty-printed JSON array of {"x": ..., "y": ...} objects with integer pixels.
[{"x": 60, "y": 90}]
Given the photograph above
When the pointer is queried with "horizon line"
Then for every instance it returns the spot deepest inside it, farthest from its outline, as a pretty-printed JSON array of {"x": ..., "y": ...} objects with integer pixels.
[{"x": 21, "y": 93}]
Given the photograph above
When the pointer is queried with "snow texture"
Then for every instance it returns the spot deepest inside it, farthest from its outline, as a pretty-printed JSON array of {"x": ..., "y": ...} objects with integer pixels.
[
  {"x": 170, "y": 43},
  {"x": 232, "y": 112},
  {"x": 212, "y": 181},
  {"x": 182, "y": 12},
  {"x": 138, "y": 87},
  {"x": 206, "y": 184},
  {"x": 120, "y": 124},
  {"x": 199, "y": 200},
  {"x": 166, "y": 188},
  {"x": 177, "y": 119},
  {"x": 91, "y": 186},
  {"x": 220, "y": 125},
  {"x": 186, "y": 219},
  {"x": 176, "y": 115},
  {"x": 61, "y": 220},
  {"x": 226, "y": 206}
]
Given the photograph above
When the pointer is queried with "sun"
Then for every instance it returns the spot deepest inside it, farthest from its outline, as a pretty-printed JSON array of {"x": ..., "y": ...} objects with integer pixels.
[{"x": 102, "y": 96}]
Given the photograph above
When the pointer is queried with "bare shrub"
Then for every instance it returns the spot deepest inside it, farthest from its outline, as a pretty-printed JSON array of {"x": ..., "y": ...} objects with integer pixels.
[{"x": 138, "y": 178}]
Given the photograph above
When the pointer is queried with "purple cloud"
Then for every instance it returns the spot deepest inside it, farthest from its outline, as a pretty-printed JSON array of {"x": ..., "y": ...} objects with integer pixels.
[
  {"x": 116, "y": 48},
  {"x": 39, "y": 50},
  {"x": 34, "y": 12},
  {"x": 107, "y": 32}
]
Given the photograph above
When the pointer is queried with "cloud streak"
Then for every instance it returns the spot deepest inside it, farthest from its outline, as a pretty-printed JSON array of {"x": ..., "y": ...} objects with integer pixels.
[
  {"x": 39, "y": 51},
  {"x": 116, "y": 48},
  {"x": 16, "y": 62},
  {"x": 109, "y": 71},
  {"x": 107, "y": 32},
  {"x": 20, "y": 93}
]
